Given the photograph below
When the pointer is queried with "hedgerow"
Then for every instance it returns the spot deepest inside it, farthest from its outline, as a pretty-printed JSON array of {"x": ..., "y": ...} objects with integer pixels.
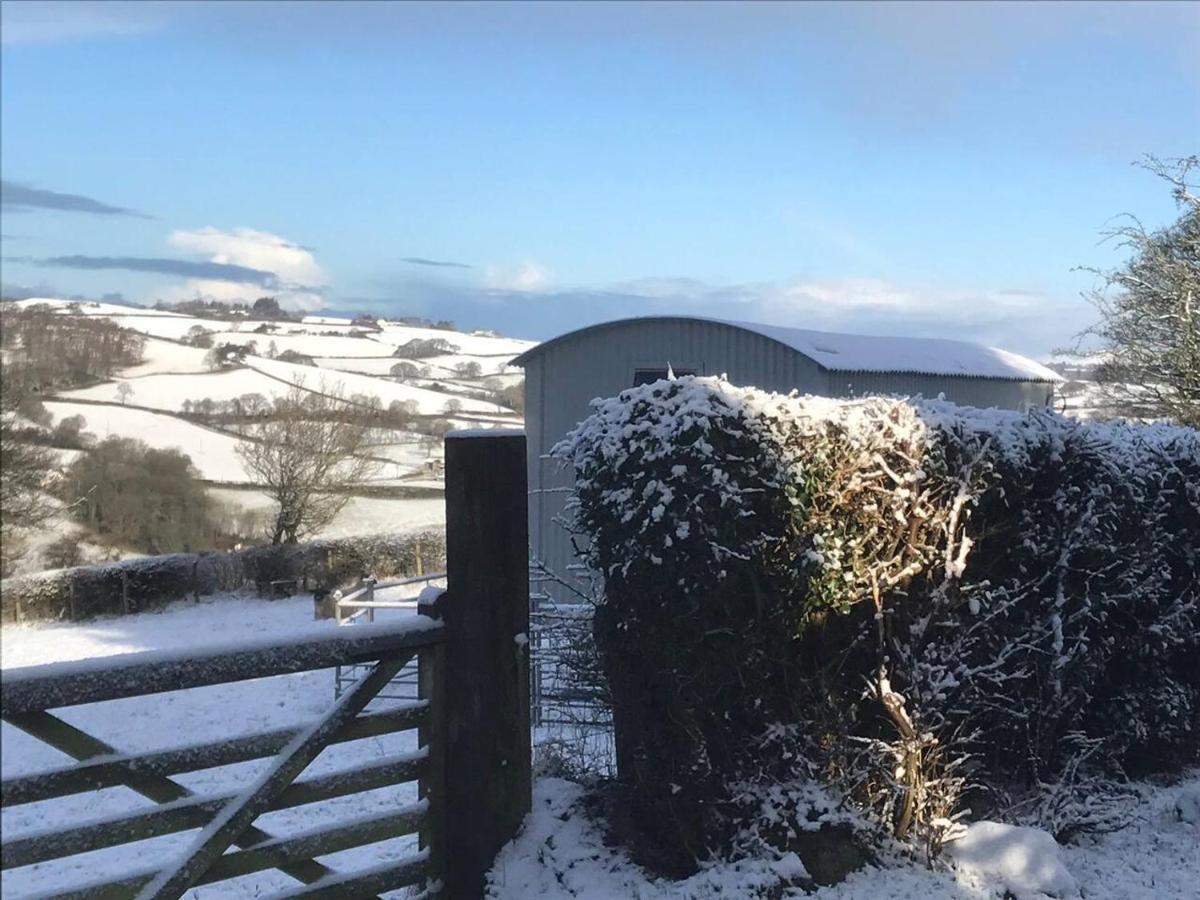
[
  {"x": 929, "y": 606},
  {"x": 150, "y": 582}
]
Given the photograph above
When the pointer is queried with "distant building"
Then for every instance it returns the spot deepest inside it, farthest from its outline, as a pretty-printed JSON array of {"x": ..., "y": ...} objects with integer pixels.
[{"x": 562, "y": 375}]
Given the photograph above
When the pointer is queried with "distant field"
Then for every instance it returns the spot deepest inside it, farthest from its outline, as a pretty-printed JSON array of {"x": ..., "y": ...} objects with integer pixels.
[
  {"x": 145, "y": 402},
  {"x": 213, "y": 454},
  {"x": 362, "y": 515}
]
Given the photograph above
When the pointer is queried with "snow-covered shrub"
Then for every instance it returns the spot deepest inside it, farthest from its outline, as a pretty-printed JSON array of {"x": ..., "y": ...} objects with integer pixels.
[
  {"x": 943, "y": 598},
  {"x": 688, "y": 512}
]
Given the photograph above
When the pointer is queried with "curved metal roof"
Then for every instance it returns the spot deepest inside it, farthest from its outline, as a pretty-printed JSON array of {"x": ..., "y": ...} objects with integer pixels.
[{"x": 861, "y": 352}]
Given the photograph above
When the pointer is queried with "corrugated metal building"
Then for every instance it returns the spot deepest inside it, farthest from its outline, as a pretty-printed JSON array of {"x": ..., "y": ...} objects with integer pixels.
[{"x": 562, "y": 375}]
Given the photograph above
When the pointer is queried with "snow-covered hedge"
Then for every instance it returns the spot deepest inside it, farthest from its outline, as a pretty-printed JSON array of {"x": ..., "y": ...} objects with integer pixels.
[
  {"x": 952, "y": 604},
  {"x": 147, "y": 582}
]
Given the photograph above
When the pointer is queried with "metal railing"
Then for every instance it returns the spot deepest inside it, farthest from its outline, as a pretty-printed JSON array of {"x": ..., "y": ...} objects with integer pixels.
[{"x": 360, "y": 604}]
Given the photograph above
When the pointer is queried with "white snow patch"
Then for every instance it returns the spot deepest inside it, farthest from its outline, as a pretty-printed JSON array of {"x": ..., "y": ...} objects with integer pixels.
[{"x": 1026, "y": 861}]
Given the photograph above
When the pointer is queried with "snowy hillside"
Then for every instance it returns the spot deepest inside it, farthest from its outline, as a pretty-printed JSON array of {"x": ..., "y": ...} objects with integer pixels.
[
  {"x": 362, "y": 359},
  {"x": 191, "y": 391},
  {"x": 212, "y": 452}
]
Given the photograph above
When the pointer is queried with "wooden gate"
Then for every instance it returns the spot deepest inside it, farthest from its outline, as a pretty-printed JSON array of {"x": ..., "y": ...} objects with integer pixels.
[{"x": 472, "y": 762}]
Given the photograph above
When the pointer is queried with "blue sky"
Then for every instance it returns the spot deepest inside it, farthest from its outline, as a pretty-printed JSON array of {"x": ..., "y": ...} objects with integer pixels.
[{"x": 894, "y": 168}]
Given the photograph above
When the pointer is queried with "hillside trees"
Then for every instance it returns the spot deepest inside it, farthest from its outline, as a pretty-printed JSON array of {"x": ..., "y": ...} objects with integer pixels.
[
  {"x": 1149, "y": 326},
  {"x": 199, "y": 336},
  {"x": 307, "y": 456},
  {"x": 23, "y": 468},
  {"x": 405, "y": 370},
  {"x": 513, "y": 396},
  {"x": 46, "y": 350},
  {"x": 418, "y": 348},
  {"x": 267, "y": 308},
  {"x": 136, "y": 496}
]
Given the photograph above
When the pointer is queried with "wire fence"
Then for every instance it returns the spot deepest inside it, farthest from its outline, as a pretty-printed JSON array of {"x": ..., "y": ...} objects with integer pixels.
[{"x": 570, "y": 711}]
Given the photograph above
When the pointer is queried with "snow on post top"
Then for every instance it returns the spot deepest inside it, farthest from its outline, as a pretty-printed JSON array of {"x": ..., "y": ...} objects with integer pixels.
[{"x": 485, "y": 433}]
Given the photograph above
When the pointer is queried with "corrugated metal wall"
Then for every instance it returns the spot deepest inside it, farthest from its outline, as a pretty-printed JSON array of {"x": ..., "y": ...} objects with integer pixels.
[
  {"x": 982, "y": 392},
  {"x": 563, "y": 376}
]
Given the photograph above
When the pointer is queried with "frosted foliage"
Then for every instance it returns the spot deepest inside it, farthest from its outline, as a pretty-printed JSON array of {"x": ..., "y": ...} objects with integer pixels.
[{"x": 1028, "y": 585}]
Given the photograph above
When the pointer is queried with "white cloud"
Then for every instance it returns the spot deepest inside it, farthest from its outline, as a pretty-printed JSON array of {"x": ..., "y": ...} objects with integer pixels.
[
  {"x": 300, "y": 277},
  {"x": 528, "y": 276},
  {"x": 48, "y": 22},
  {"x": 254, "y": 249}
]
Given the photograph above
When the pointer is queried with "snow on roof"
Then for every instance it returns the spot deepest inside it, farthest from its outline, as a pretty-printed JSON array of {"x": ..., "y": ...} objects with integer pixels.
[
  {"x": 931, "y": 356},
  {"x": 870, "y": 353}
]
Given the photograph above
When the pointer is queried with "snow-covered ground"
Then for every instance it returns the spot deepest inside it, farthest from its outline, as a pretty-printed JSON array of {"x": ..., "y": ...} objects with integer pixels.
[
  {"x": 395, "y": 335},
  {"x": 159, "y": 356},
  {"x": 184, "y": 717},
  {"x": 168, "y": 391},
  {"x": 307, "y": 344},
  {"x": 428, "y": 402},
  {"x": 562, "y": 853},
  {"x": 271, "y": 378},
  {"x": 360, "y": 516},
  {"x": 213, "y": 453}
]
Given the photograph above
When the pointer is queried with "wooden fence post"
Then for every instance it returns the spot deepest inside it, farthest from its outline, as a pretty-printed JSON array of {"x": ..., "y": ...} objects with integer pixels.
[{"x": 486, "y": 612}]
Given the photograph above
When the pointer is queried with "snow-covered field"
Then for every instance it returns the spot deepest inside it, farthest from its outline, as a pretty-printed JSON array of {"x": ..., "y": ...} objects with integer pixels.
[
  {"x": 161, "y": 356},
  {"x": 185, "y": 717},
  {"x": 271, "y": 378},
  {"x": 214, "y": 454},
  {"x": 428, "y": 402},
  {"x": 169, "y": 390},
  {"x": 394, "y": 335},
  {"x": 308, "y": 344},
  {"x": 362, "y": 515}
]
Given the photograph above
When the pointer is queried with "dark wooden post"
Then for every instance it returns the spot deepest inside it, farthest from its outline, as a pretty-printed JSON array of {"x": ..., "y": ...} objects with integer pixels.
[{"x": 486, "y": 611}]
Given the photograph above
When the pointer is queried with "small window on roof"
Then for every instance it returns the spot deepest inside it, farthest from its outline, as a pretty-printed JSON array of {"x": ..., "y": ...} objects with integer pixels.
[{"x": 649, "y": 376}]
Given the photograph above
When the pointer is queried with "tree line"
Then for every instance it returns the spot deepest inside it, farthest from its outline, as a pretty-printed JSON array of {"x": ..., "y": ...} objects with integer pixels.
[{"x": 45, "y": 350}]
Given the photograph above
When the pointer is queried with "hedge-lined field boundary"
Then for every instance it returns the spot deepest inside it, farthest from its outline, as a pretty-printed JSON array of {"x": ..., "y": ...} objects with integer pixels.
[{"x": 144, "y": 583}]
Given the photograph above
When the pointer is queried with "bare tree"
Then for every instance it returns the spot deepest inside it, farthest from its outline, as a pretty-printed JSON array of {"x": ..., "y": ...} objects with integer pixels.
[
  {"x": 1149, "y": 327},
  {"x": 124, "y": 391},
  {"x": 307, "y": 455}
]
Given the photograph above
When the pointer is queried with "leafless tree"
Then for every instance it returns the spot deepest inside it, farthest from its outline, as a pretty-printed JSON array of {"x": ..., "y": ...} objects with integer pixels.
[
  {"x": 124, "y": 391},
  {"x": 1149, "y": 327},
  {"x": 307, "y": 455}
]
